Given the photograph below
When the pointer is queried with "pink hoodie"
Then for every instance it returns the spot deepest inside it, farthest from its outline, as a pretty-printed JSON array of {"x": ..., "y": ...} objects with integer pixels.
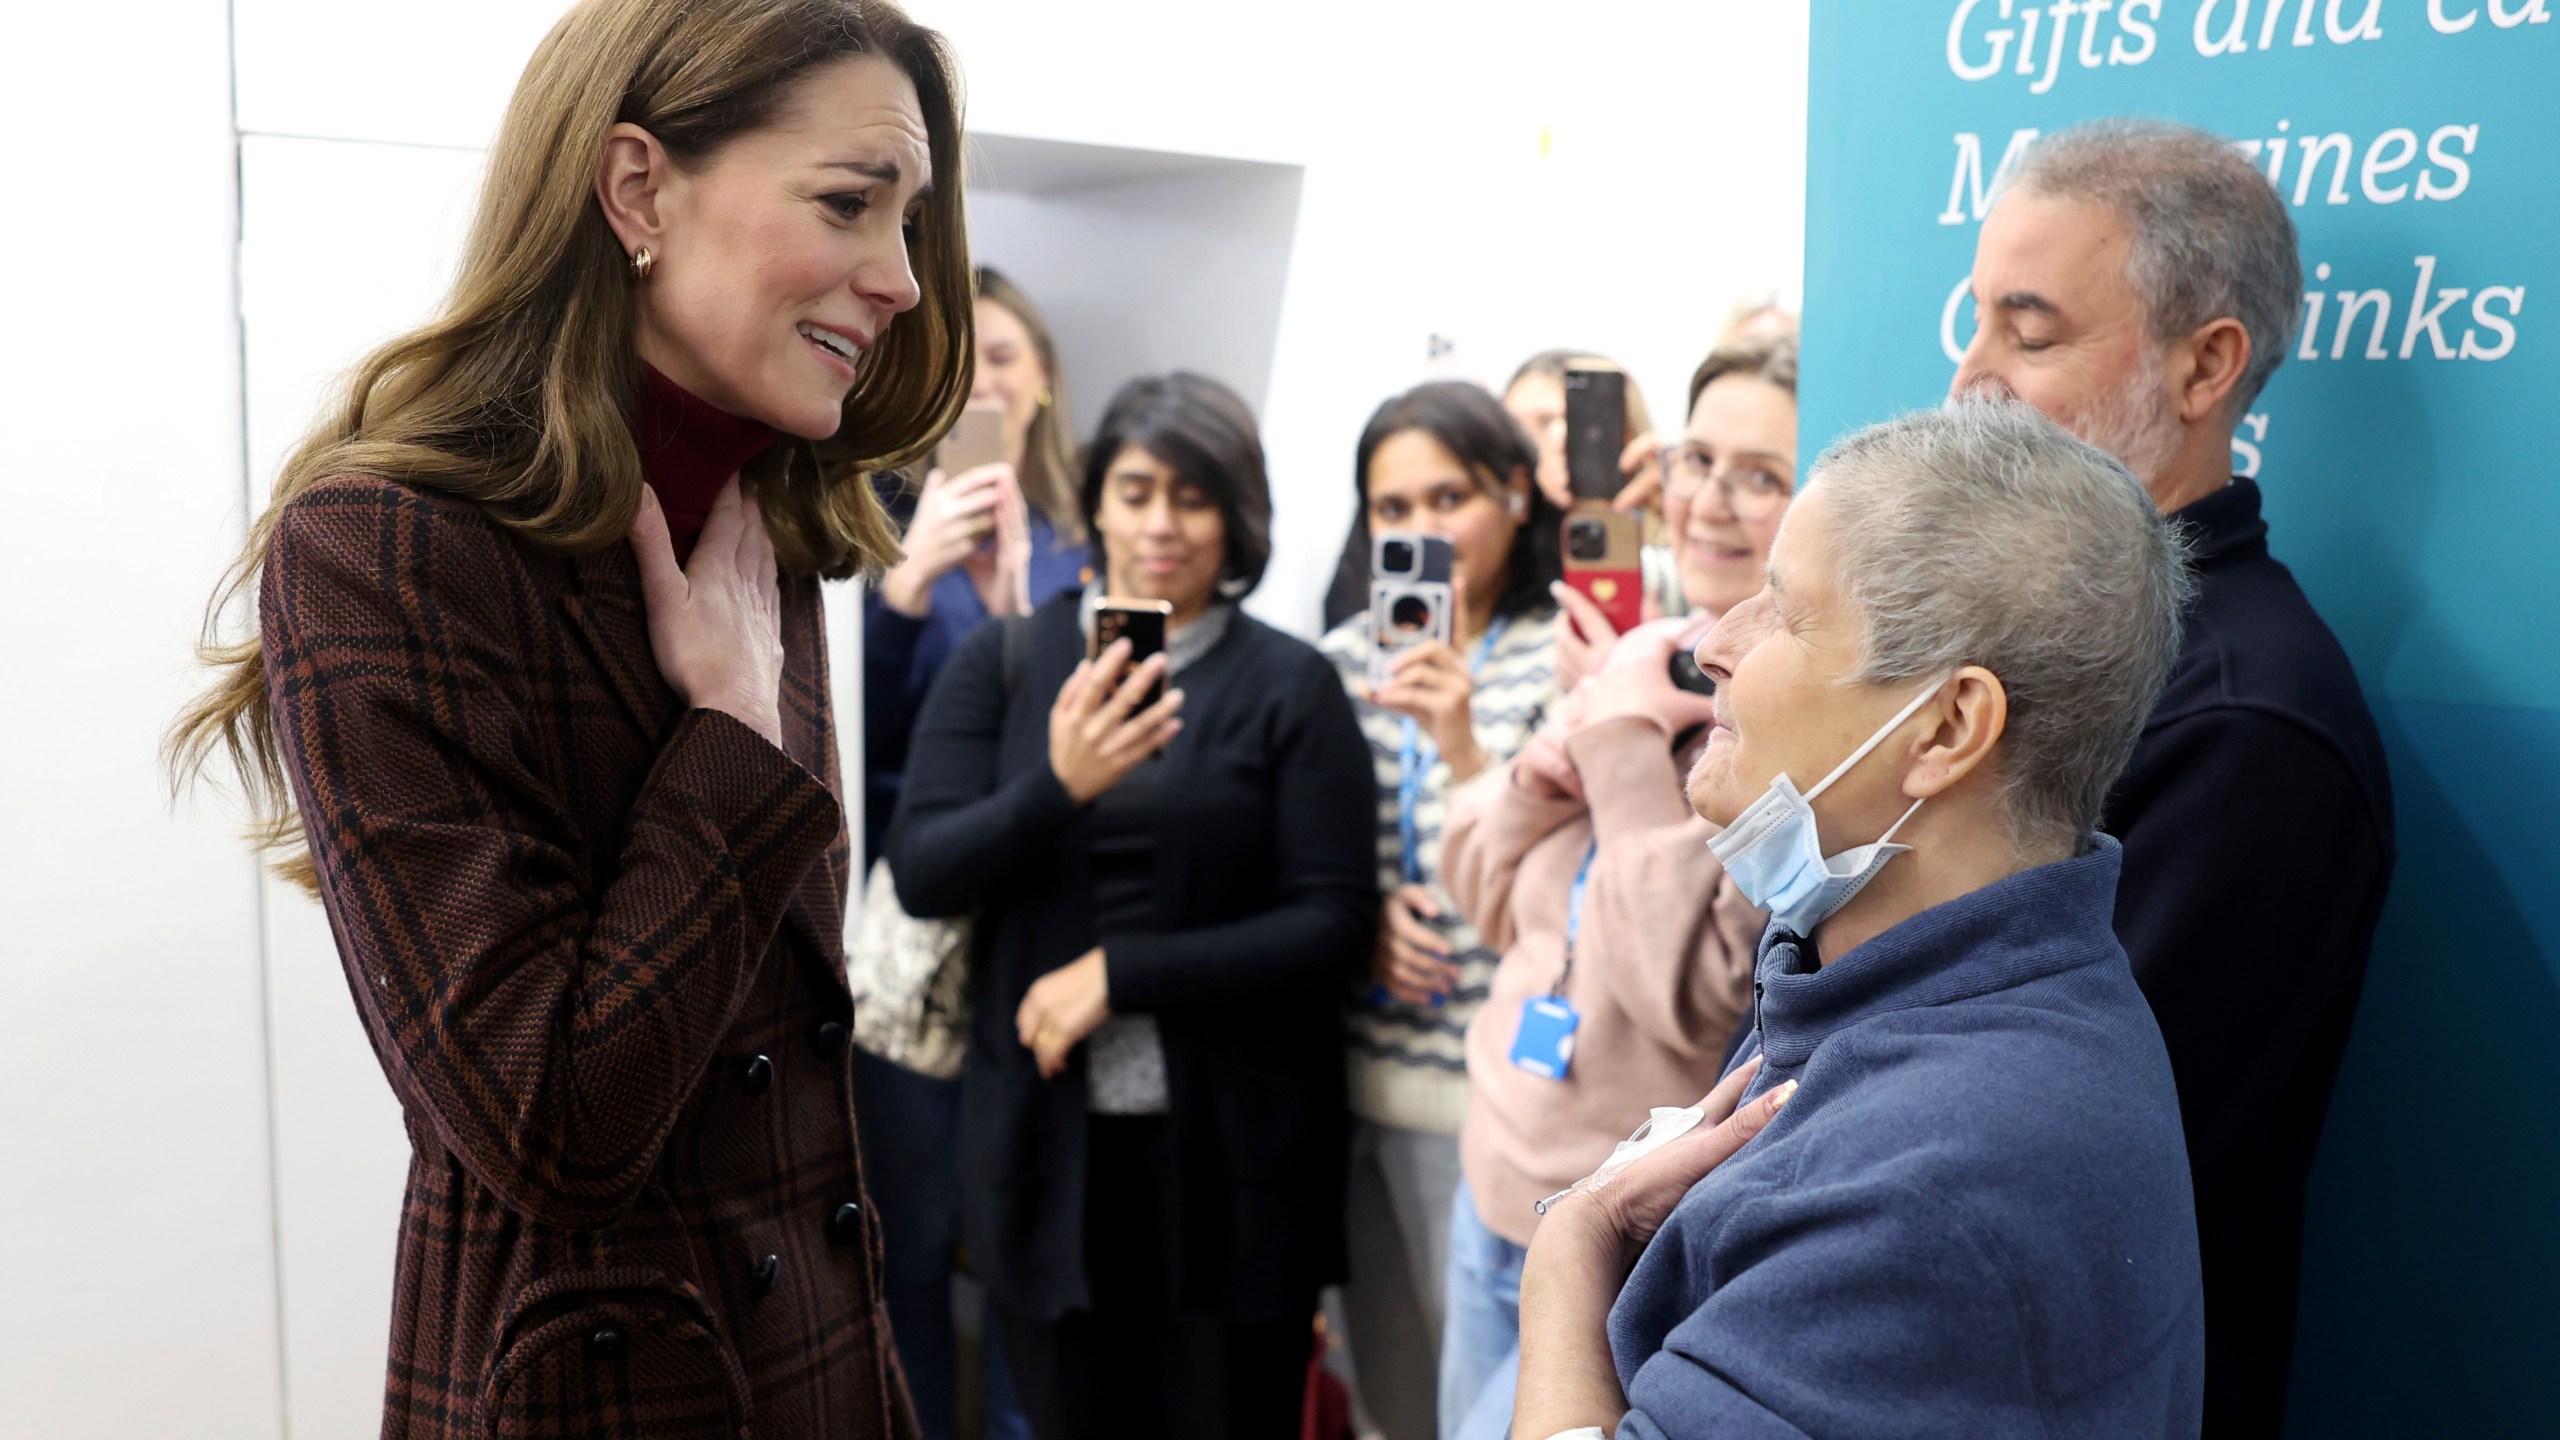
[{"x": 1662, "y": 974}]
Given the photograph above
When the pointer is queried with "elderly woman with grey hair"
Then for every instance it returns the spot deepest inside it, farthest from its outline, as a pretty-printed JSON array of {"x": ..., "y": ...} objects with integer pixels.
[{"x": 1963, "y": 1204}]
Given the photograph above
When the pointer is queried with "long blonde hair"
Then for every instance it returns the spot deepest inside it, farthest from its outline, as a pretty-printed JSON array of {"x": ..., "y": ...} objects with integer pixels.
[{"x": 518, "y": 396}]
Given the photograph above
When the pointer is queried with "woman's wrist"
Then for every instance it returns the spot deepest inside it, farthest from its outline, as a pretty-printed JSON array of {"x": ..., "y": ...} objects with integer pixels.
[
  {"x": 1568, "y": 1284},
  {"x": 1465, "y": 757},
  {"x": 907, "y": 590},
  {"x": 1074, "y": 795}
]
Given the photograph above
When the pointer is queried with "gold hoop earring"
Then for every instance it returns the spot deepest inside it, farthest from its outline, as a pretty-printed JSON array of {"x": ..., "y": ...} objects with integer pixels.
[{"x": 642, "y": 262}]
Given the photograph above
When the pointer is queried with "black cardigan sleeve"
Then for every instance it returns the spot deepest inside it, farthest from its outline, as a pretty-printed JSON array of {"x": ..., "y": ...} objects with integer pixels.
[
  {"x": 1315, "y": 936},
  {"x": 963, "y": 828}
]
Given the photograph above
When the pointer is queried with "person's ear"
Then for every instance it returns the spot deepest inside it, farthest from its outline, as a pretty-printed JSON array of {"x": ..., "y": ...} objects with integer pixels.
[
  {"x": 632, "y": 177},
  {"x": 2206, "y": 367},
  {"x": 1972, "y": 713}
]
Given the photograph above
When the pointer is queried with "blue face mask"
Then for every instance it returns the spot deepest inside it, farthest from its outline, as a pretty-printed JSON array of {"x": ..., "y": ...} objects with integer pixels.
[{"x": 1774, "y": 853}]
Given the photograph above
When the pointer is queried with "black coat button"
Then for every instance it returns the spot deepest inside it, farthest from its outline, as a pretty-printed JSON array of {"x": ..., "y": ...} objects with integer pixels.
[
  {"x": 768, "y": 1272},
  {"x": 606, "y": 1342},
  {"x": 757, "y": 1077},
  {"x": 845, "y": 1226},
  {"x": 828, "y": 1039}
]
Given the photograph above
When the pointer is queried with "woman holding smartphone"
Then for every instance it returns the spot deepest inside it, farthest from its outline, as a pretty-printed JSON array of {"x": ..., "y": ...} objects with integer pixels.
[
  {"x": 540, "y": 661},
  {"x": 991, "y": 539},
  {"x": 1441, "y": 460},
  {"x": 983, "y": 541},
  {"x": 1170, "y": 897},
  {"x": 1584, "y": 866}
]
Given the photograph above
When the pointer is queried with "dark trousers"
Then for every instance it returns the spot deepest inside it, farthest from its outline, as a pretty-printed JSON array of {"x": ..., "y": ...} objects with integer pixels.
[
  {"x": 1135, "y": 1366},
  {"x": 910, "y": 1127}
]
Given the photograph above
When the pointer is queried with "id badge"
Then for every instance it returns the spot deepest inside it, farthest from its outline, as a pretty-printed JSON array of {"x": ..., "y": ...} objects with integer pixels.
[{"x": 1544, "y": 1045}]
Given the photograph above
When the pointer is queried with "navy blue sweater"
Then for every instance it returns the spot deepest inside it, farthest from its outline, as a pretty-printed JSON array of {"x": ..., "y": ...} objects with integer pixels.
[
  {"x": 1971, "y": 1220},
  {"x": 2257, "y": 830}
]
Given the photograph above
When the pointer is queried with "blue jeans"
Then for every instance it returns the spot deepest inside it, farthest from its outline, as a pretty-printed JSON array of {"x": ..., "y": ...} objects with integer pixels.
[
  {"x": 1480, "y": 1339},
  {"x": 910, "y": 1126}
]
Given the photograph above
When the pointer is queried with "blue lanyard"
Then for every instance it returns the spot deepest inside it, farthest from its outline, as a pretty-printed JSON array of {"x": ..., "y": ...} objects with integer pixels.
[
  {"x": 1416, "y": 756},
  {"x": 1573, "y": 914}
]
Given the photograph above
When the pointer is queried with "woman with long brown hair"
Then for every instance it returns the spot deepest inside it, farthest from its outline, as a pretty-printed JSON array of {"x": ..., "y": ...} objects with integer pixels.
[{"x": 540, "y": 663}]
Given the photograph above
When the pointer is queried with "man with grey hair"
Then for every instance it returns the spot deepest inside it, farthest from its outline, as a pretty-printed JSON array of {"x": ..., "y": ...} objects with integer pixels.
[
  {"x": 2138, "y": 282},
  {"x": 1963, "y": 1205}
]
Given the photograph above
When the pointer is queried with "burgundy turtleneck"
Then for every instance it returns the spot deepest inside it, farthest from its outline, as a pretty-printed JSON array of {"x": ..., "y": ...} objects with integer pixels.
[{"x": 688, "y": 450}]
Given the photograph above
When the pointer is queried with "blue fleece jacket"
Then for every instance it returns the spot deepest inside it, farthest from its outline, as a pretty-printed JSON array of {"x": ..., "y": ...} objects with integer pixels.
[{"x": 1973, "y": 1219}]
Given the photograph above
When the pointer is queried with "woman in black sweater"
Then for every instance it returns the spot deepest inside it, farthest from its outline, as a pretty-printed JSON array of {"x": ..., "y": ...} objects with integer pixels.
[{"x": 1171, "y": 901}]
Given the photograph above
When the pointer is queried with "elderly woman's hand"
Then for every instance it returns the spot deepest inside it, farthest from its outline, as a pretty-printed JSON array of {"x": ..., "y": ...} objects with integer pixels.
[
  {"x": 1621, "y": 1213},
  {"x": 1589, "y": 1240}
]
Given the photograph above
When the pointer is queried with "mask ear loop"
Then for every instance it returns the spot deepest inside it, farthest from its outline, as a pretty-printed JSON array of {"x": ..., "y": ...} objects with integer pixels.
[
  {"x": 1878, "y": 738},
  {"x": 1887, "y": 837}
]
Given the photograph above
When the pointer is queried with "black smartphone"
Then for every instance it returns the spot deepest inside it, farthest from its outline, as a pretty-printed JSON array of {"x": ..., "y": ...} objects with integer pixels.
[
  {"x": 1141, "y": 623},
  {"x": 1595, "y": 431}
]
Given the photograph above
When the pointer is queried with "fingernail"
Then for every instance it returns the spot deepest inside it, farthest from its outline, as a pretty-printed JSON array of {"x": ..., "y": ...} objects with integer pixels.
[{"x": 1778, "y": 1099}]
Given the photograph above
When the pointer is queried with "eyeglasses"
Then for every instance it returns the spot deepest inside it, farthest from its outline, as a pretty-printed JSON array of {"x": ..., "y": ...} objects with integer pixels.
[{"x": 1752, "y": 490}]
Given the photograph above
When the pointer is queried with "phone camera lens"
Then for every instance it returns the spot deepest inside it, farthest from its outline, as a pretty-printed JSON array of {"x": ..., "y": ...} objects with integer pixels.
[
  {"x": 1587, "y": 540},
  {"x": 1396, "y": 557}
]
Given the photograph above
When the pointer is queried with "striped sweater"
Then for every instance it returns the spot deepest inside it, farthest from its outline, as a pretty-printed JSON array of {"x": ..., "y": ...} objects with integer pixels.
[{"x": 1409, "y": 1062}]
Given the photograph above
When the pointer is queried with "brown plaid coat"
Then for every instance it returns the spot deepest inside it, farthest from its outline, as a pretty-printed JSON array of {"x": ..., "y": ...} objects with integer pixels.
[{"x": 596, "y": 941}]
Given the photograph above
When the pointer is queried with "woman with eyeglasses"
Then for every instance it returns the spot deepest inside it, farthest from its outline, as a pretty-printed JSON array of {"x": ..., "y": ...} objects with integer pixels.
[{"x": 1626, "y": 954}]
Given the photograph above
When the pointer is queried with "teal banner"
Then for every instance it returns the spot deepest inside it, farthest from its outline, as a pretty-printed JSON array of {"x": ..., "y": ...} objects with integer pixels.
[{"x": 2405, "y": 450}]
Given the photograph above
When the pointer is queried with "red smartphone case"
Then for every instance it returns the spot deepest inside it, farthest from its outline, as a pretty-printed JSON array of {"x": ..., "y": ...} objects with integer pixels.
[{"x": 1618, "y": 593}]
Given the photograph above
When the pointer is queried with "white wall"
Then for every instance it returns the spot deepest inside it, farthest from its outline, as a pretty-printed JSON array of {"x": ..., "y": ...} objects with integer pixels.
[
  {"x": 191, "y": 1116},
  {"x": 1140, "y": 264},
  {"x": 1511, "y": 175},
  {"x": 310, "y": 302},
  {"x": 136, "y": 1248}
]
